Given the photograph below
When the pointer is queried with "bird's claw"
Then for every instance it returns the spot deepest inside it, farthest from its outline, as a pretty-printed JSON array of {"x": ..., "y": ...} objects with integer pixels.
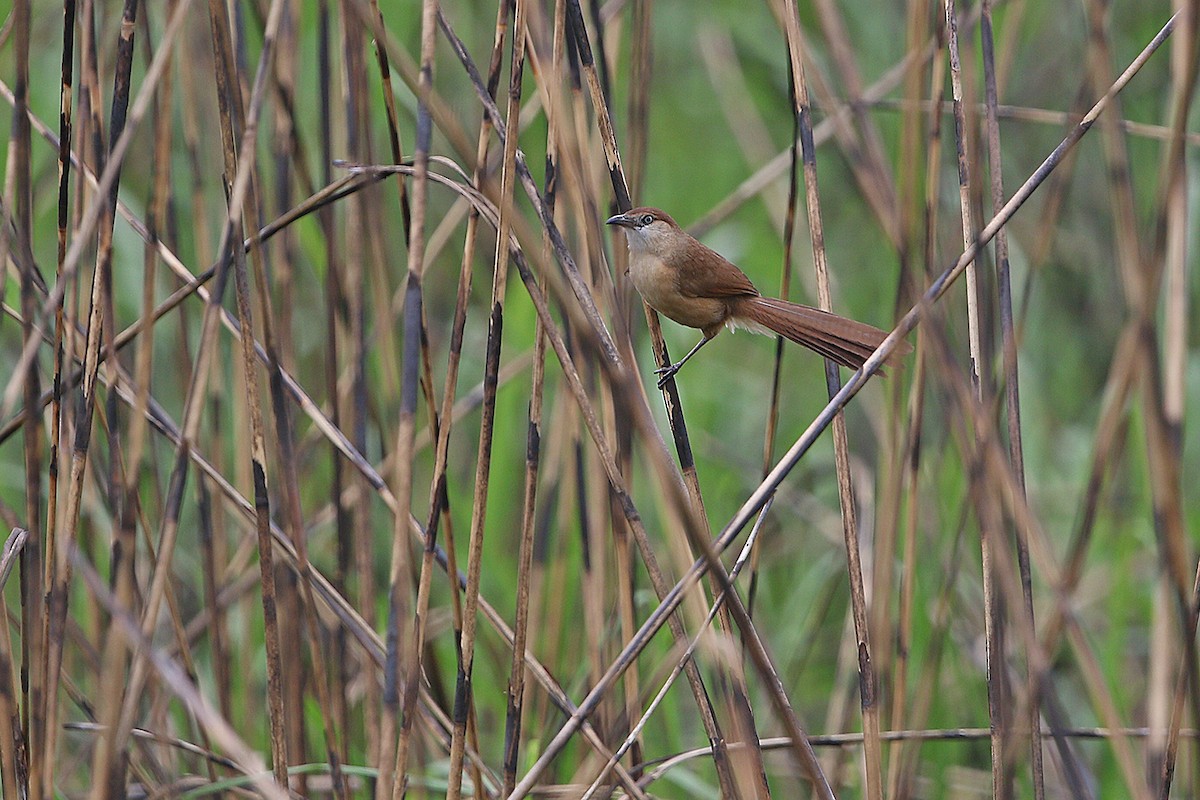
[{"x": 666, "y": 374}]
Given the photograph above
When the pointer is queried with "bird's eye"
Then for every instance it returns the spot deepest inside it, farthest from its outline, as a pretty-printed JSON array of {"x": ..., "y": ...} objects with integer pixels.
[{"x": 646, "y": 219}]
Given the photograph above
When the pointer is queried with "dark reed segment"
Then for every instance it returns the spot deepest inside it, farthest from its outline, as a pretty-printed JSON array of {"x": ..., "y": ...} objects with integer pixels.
[
  {"x": 637, "y": 141},
  {"x": 867, "y": 678},
  {"x": 33, "y": 629},
  {"x": 596, "y": 514},
  {"x": 418, "y": 648},
  {"x": 533, "y": 446},
  {"x": 274, "y": 32},
  {"x": 367, "y": 285},
  {"x": 439, "y": 495},
  {"x": 463, "y": 696},
  {"x": 1010, "y": 389},
  {"x": 968, "y": 229}
]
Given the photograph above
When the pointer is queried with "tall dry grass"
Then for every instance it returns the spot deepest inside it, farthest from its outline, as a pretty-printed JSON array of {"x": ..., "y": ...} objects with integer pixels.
[{"x": 331, "y": 466}]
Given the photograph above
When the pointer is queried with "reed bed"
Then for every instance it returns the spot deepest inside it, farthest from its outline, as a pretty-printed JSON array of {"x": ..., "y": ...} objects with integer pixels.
[{"x": 333, "y": 459}]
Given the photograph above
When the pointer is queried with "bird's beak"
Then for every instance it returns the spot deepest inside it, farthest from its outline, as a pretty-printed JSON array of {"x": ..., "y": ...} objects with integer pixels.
[{"x": 619, "y": 219}]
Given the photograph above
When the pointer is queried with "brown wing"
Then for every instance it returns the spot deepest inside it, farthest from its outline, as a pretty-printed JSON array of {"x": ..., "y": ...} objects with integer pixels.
[{"x": 701, "y": 272}]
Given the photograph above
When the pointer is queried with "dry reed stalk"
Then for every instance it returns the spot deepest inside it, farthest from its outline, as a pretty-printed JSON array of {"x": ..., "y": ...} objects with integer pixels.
[
  {"x": 13, "y": 761},
  {"x": 741, "y": 717},
  {"x": 275, "y": 349},
  {"x": 867, "y": 677},
  {"x": 1010, "y": 388},
  {"x": 404, "y": 644},
  {"x": 239, "y": 119},
  {"x": 770, "y": 171},
  {"x": 583, "y": 295},
  {"x": 921, "y": 228},
  {"x": 28, "y": 729},
  {"x": 248, "y": 760},
  {"x": 463, "y": 691},
  {"x": 864, "y": 146},
  {"x": 1171, "y": 243},
  {"x": 100, "y": 317},
  {"x": 994, "y": 620},
  {"x": 108, "y": 758},
  {"x": 771, "y": 426},
  {"x": 525, "y": 584},
  {"x": 367, "y": 472}
]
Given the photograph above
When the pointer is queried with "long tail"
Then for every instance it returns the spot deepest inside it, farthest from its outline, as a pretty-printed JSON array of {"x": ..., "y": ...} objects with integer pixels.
[{"x": 842, "y": 340}]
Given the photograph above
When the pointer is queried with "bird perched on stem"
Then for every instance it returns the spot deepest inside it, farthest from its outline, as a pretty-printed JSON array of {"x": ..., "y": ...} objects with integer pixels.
[{"x": 696, "y": 286}]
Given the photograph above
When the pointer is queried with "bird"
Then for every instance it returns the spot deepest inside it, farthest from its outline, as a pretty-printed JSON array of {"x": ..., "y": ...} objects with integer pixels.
[{"x": 696, "y": 286}]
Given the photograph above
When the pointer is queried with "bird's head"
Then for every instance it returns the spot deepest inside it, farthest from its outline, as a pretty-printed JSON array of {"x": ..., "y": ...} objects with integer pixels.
[{"x": 646, "y": 229}]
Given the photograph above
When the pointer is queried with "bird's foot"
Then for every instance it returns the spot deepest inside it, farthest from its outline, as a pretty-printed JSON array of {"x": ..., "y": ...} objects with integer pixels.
[{"x": 666, "y": 373}]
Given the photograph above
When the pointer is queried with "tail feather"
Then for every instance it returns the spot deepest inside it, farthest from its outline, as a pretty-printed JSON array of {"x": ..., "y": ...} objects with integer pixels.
[{"x": 837, "y": 338}]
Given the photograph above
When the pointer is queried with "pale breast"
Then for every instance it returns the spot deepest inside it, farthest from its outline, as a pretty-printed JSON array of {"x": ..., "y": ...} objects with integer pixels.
[{"x": 658, "y": 286}]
